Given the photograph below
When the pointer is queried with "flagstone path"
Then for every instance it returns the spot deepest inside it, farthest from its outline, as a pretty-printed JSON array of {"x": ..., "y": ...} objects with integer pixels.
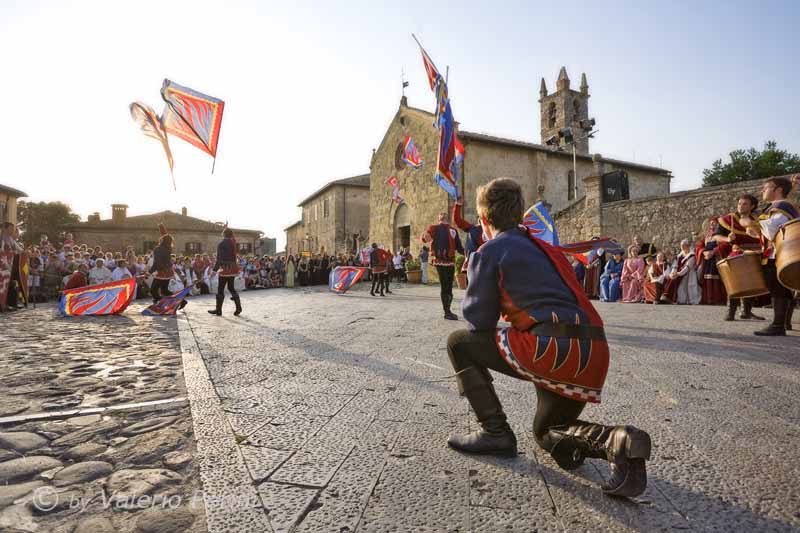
[{"x": 317, "y": 412}]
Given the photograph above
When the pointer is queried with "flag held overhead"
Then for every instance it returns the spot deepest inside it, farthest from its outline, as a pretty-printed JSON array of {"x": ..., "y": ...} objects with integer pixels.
[{"x": 193, "y": 116}]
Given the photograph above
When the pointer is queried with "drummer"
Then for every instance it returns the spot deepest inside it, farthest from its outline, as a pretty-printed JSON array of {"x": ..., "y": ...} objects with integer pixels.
[
  {"x": 733, "y": 239},
  {"x": 777, "y": 213}
]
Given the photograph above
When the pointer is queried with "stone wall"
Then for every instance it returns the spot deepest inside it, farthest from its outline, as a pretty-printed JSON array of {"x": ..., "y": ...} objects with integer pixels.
[
  {"x": 355, "y": 216},
  {"x": 666, "y": 220},
  {"x": 142, "y": 240},
  {"x": 295, "y": 237}
]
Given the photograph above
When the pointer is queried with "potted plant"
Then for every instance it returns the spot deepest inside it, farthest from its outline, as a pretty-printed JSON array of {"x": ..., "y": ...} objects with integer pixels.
[
  {"x": 461, "y": 277},
  {"x": 413, "y": 271}
]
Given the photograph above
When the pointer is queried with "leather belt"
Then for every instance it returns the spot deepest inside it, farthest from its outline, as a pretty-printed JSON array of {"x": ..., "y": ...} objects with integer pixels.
[{"x": 573, "y": 331}]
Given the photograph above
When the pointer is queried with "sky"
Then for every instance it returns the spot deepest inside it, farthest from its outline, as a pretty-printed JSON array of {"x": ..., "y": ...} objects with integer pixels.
[{"x": 310, "y": 89}]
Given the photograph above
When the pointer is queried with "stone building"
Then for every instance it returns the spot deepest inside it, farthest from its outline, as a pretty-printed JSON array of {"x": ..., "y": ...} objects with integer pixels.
[
  {"x": 192, "y": 235},
  {"x": 335, "y": 218},
  {"x": 544, "y": 172},
  {"x": 8, "y": 203}
]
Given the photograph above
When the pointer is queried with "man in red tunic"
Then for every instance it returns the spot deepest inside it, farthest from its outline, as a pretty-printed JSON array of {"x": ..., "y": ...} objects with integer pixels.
[
  {"x": 556, "y": 340},
  {"x": 445, "y": 243}
]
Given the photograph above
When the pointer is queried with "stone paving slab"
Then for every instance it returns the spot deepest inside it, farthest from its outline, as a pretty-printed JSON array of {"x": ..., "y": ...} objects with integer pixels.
[{"x": 340, "y": 407}]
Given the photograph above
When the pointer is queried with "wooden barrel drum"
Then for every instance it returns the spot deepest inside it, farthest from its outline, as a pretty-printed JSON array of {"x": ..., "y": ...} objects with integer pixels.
[
  {"x": 787, "y": 254},
  {"x": 742, "y": 275}
]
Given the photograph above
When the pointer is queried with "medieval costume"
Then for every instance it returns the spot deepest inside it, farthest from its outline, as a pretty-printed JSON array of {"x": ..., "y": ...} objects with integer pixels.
[
  {"x": 227, "y": 268},
  {"x": 730, "y": 226},
  {"x": 161, "y": 268},
  {"x": 654, "y": 282},
  {"x": 290, "y": 267},
  {"x": 556, "y": 340},
  {"x": 681, "y": 287},
  {"x": 475, "y": 237},
  {"x": 609, "y": 281},
  {"x": 632, "y": 278},
  {"x": 591, "y": 278},
  {"x": 445, "y": 242},
  {"x": 778, "y": 213},
  {"x": 377, "y": 263},
  {"x": 647, "y": 250},
  {"x": 706, "y": 256}
]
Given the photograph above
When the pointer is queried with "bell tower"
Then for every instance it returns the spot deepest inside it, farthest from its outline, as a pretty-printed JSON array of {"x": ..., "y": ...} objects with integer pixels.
[{"x": 564, "y": 108}]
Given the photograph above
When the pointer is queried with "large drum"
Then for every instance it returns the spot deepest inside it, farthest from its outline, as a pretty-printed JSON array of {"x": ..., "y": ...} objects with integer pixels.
[
  {"x": 787, "y": 254},
  {"x": 742, "y": 275}
]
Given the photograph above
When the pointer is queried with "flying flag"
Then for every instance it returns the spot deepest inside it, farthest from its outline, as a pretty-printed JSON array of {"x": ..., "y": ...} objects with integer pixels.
[
  {"x": 168, "y": 305},
  {"x": 151, "y": 125},
  {"x": 450, "y": 150},
  {"x": 393, "y": 183},
  {"x": 365, "y": 253},
  {"x": 105, "y": 299},
  {"x": 411, "y": 156},
  {"x": 193, "y": 116},
  {"x": 344, "y": 277},
  {"x": 540, "y": 224}
]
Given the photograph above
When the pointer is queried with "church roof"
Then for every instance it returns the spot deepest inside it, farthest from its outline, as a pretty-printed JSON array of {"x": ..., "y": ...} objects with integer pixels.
[
  {"x": 173, "y": 222},
  {"x": 13, "y": 192},
  {"x": 361, "y": 180},
  {"x": 482, "y": 137}
]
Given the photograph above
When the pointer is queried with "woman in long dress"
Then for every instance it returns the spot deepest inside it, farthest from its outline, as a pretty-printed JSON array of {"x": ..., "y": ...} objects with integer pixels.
[
  {"x": 290, "y": 272},
  {"x": 633, "y": 277}
]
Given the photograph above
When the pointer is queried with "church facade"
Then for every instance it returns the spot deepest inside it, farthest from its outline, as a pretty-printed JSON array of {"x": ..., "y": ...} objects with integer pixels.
[{"x": 545, "y": 172}]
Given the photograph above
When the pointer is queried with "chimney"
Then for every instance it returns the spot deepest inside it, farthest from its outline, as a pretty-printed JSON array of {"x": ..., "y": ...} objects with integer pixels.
[
  {"x": 184, "y": 212},
  {"x": 119, "y": 212}
]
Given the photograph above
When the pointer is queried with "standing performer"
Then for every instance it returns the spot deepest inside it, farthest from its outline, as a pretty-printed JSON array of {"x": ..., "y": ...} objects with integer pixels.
[
  {"x": 706, "y": 255},
  {"x": 731, "y": 232},
  {"x": 474, "y": 232},
  {"x": 777, "y": 213},
  {"x": 556, "y": 340},
  {"x": 378, "y": 268},
  {"x": 227, "y": 268},
  {"x": 162, "y": 269},
  {"x": 445, "y": 242}
]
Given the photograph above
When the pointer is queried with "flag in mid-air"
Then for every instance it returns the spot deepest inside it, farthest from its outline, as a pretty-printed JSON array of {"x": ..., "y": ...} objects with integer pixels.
[
  {"x": 193, "y": 116},
  {"x": 540, "y": 224},
  {"x": 344, "y": 277},
  {"x": 394, "y": 184},
  {"x": 411, "y": 156},
  {"x": 169, "y": 304},
  {"x": 151, "y": 125},
  {"x": 450, "y": 150},
  {"x": 105, "y": 299}
]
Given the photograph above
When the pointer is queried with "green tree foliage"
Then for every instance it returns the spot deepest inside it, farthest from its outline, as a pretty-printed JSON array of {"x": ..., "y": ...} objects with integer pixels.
[
  {"x": 44, "y": 218},
  {"x": 752, "y": 164}
]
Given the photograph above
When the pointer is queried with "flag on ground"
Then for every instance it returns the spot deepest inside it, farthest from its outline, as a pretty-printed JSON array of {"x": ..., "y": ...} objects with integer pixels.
[
  {"x": 193, "y": 116},
  {"x": 411, "y": 156},
  {"x": 169, "y": 304},
  {"x": 105, "y": 299},
  {"x": 344, "y": 277}
]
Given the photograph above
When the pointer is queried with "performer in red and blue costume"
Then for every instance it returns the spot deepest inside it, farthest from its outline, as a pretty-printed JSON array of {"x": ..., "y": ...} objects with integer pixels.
[
  {"x": 556, "y": 340},
  {"x": 475, "y": 237}
]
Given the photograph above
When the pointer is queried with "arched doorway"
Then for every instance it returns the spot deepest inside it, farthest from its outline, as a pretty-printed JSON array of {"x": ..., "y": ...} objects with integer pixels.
[{"x": 402, "y": 227}]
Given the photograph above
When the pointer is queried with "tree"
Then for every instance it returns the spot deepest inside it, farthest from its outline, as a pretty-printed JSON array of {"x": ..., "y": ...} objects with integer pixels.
[
  {"x": 752, "y": 164},
  {"x": 44, "y": 218}
]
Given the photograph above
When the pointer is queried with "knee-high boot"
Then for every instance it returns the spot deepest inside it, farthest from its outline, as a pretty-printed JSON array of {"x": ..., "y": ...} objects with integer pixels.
[
  {"x": 238, "y": 302},
  {"x": 218, "y": 309},
  {"x": 789, "y": 313},
  {"x": 626, "y": 449},
  {"x": 495, "y": 436},
  {"x": 733, "y": 304},
  {"x": 747, "y": 310}
]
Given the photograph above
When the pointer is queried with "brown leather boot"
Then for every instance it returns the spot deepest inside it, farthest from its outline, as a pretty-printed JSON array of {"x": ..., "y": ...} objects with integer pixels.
[
  {"x": 495, "y": 436},
  {"x": 626, "y": 449}
]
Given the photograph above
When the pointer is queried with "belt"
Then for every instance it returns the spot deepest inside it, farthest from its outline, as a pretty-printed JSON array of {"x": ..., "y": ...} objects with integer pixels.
[{"x": 573, "y": 331}]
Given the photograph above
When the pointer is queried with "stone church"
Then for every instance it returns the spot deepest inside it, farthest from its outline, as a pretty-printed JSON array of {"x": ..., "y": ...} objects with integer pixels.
[{"x": 545, "y": 172}]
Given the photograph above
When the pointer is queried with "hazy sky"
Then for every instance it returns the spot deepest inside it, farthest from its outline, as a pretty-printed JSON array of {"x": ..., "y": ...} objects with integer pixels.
[{"x": 310, "y": 88}]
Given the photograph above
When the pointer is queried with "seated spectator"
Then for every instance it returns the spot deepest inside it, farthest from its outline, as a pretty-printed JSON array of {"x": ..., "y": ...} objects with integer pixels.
[
  {"x": 633, "y": 276},
  {"x": 121, "y": 271},
  {"x": 99, "y": 274},
  {"x": 79, "y": 278},
  {"x": 610, "y": 280},
  {"x": 656, "y": 273}
]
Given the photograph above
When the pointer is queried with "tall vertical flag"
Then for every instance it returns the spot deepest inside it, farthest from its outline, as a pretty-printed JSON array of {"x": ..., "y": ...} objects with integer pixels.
[
  {"x": 394, "y": 184},
  {"x": 411, "y": 156},
  {"x": 193, "y": 116},
  {"x": 450, "y": 151}
]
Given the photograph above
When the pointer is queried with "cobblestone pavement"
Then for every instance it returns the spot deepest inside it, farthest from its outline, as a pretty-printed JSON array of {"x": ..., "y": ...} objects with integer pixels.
[
  {"x": 75, "y": 455},
  {"x": 330, "y": 413}
]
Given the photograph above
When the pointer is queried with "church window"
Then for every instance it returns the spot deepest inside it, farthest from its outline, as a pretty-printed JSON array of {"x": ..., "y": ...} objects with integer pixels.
[
  {"x": 245, "y": 247},
  {"x": 551, "y": 115},
  {"x": 570, "y": 185},
  {"x": 325, "y": 208},
  {"x": 576, "y": 110}
]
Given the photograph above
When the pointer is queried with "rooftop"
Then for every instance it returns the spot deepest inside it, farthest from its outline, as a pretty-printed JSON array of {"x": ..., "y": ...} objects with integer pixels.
[
  {"x": 361, "y": 180},
  {"x": 12, "y": 191},
  {"x": 172, "y": 221}
]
